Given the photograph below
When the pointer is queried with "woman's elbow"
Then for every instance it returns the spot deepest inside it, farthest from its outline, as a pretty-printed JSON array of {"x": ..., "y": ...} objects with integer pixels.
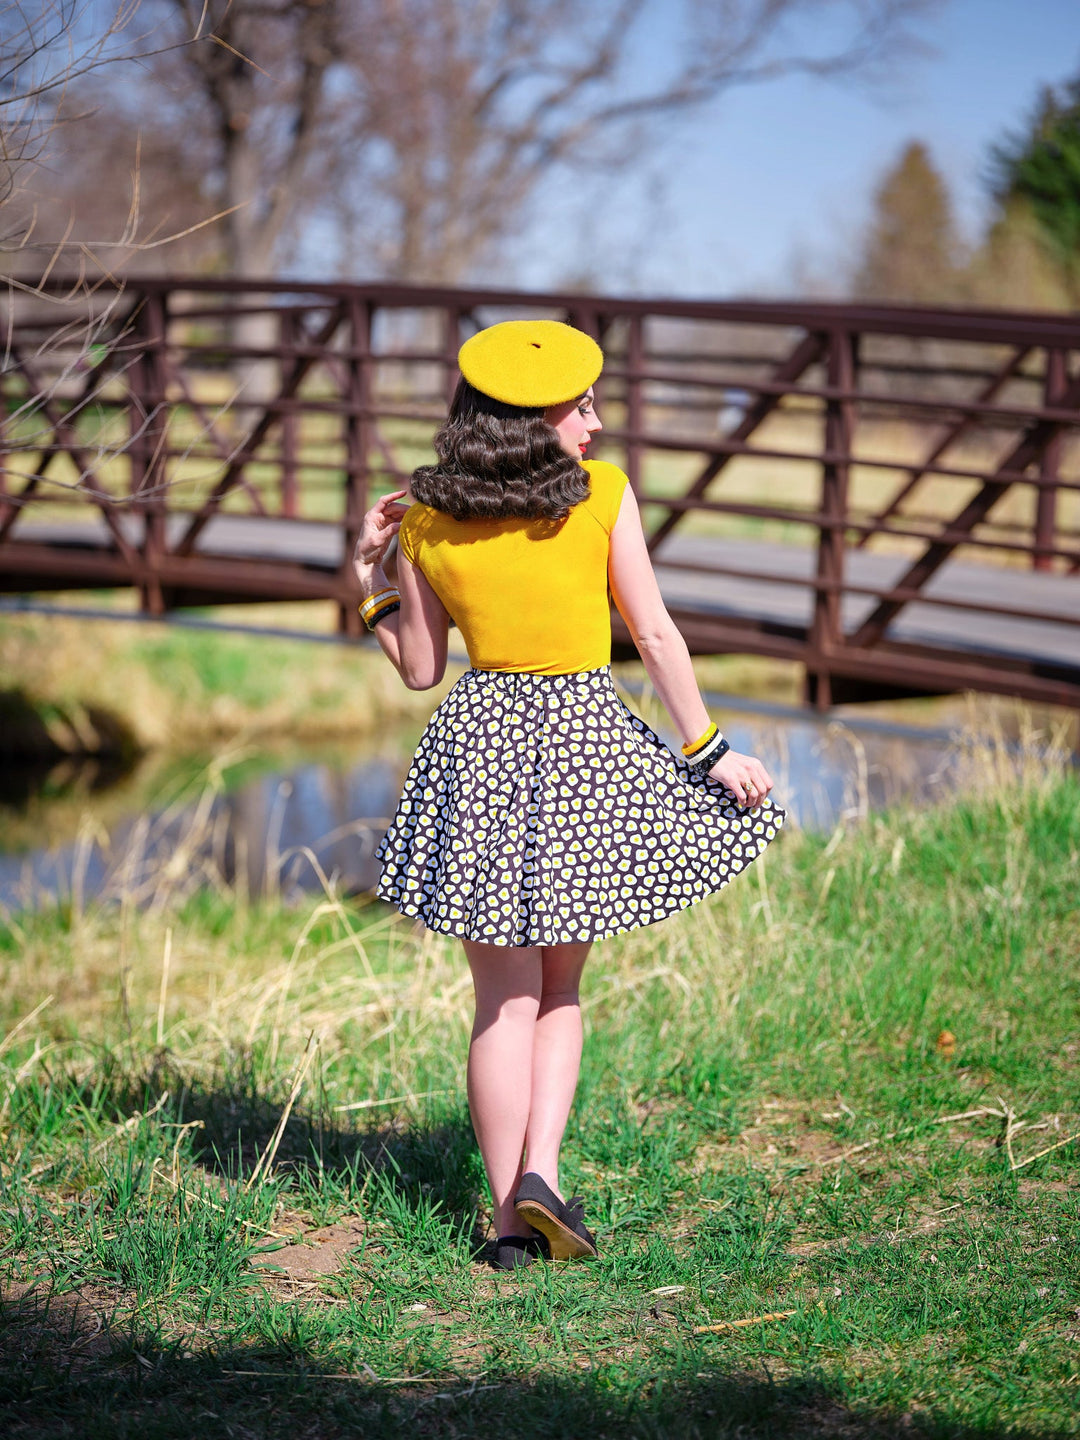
[
  {"x": 656, "y": 634},
  {"x": 423, "y": 677}
]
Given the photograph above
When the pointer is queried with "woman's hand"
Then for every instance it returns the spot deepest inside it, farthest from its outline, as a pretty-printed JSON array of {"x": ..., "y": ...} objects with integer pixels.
[
  {"x": 745, "y": 776},
  {"x": 379, "y": 526}
]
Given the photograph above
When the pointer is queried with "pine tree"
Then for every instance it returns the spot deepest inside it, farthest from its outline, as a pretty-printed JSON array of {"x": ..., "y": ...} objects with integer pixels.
[
  {"x": 911, "y": 249},
  {"x": 1039, "y": 169}
]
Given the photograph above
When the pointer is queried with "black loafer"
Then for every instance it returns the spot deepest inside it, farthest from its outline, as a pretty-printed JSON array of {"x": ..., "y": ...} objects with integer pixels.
[
  {"x": 514, "y": 1251},
  {"x": 561, "y": 1224}
]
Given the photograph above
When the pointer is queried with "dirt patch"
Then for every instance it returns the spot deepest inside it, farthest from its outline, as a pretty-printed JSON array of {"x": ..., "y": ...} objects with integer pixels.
[
  {"x": 35, "y": 1322},
  {"x": 1031, "y": 1189},
  {"x": 768, "y": 1143},
  {"x": 318, "y": 1252},
  {"x": 926, "y": 1225}
]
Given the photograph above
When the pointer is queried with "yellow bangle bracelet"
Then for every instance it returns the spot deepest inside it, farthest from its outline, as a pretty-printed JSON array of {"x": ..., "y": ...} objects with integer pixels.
[
  {"x": 369, "y": 604},
  {"x": 372, "y": 616},
  {"x": 697, "y": 744}
]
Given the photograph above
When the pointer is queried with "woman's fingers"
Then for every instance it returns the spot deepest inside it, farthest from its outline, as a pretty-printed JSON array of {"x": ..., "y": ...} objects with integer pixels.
[
  {"x": 758, "y": 783},
  {"x": 746, "y": 777}
]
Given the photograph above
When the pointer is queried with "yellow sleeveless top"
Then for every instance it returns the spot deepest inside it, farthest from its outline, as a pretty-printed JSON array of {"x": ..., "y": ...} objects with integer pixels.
[{"x": 526, "y": 594}]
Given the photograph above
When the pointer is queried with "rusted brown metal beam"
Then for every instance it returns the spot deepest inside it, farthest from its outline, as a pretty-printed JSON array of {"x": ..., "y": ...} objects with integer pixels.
[
  {"x": 985, "y": 325},
  {"x": 251, "y": 580},
  {"x": 816, "y": 518},
  {"x": 1056, "y": 383},
  {"x": 828, "y": 585},
  {"x": 806, "y": 352},
  {"x": 957, "y": 431},
  {"x": 222, "y": 449},
  {"x": 918, "y": 670},
  {"x": 1027, "y": 452},
  {"x": 246, "y": 453},
  {"x": 826, "y": 632},
  {"x": 69, "y": 443}
]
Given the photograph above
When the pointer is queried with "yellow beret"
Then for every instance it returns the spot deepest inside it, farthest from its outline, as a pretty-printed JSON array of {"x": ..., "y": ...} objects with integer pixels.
[{"x": 532, "y": 363}]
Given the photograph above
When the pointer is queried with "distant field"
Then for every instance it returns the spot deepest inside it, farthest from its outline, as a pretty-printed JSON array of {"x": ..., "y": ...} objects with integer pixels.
[{"x": 239, "y": 1194}]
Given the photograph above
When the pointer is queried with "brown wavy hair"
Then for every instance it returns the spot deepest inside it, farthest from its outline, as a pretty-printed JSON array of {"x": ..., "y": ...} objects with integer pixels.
[{"x": 496, "y": 461}]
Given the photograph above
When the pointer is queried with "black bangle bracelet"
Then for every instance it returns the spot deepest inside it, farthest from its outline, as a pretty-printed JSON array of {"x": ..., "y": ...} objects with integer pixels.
[
  {"x": 382, "y": 614},
  {"x": 705, "y": 765}
]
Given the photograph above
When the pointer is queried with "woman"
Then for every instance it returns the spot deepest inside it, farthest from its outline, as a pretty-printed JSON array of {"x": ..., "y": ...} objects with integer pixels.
[{"x": 539, "y": 813}]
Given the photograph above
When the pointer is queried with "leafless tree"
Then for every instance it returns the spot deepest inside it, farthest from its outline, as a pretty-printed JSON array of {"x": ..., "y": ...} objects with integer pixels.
[
  {"x": 462, "y": 109},
  {"x": 58, "y": 60},
  {"x": 419, "y": 130},
  {"x": 61, "y": 343}
]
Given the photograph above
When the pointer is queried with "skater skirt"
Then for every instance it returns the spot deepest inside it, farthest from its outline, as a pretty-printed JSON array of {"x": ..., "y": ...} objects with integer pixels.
[{"x": 539, "y": 809}]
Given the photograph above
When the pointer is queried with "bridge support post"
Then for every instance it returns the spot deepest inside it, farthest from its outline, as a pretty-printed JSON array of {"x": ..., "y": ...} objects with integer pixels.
[
  {"x": 635, "y": 409},
  {"x": 826, "y": 629},
  {"x": 290, "y": 420},
  {"x": 149, "y": 433},
  {"x": 357, "y": 449},
  {"x": 1054, "y": 387}
]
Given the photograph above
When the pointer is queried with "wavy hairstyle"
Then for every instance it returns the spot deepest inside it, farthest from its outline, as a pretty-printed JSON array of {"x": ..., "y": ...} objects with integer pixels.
[{"x": 496, "y": 461}]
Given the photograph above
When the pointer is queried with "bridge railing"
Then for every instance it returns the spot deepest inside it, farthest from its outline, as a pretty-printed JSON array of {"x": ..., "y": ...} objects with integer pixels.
[{"x": 152, "y": 408}]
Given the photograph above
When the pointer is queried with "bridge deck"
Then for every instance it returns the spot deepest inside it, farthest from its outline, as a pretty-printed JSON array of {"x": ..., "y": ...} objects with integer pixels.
[
  {"x": 251, "y": 559},
  {"x": 957, "y": 430}
]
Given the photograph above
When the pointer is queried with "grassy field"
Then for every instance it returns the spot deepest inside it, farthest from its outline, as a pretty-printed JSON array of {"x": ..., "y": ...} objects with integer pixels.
[
  {"x": 239, "y": 1194},
  {"x": 183, "y": 689}
]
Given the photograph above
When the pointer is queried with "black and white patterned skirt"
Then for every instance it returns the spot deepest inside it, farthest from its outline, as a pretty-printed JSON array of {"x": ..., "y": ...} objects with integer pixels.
[{"x": 539, "y": 809}]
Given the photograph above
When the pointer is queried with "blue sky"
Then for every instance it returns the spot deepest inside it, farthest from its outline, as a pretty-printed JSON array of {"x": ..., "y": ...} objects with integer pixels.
[{"x": 773, "y": 183}]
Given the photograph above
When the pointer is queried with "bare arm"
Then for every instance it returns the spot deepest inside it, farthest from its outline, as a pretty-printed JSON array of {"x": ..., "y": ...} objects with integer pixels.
[
  {"x": 415, "y": 637},
  {"x": 663, "y": 650}
]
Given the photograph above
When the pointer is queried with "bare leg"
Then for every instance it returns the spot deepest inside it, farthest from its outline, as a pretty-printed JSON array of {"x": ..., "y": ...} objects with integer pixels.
[
  {"x": 556, "y": 1058},
  {"x": 507, "y": 981}
]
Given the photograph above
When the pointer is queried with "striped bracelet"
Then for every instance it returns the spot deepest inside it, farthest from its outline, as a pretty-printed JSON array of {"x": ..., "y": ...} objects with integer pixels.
[
  {"x": 706, "y": 757},
  {"x": 374, "y": 601},
  {"x": 374, "y": 613}
]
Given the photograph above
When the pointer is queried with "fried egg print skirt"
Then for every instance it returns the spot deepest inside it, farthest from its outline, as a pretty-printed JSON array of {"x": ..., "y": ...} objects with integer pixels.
[{"x": 539, "y": 809}]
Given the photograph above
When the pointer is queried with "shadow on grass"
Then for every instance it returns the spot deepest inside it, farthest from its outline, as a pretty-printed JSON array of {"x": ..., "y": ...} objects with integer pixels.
[
  {"x": 425, "y": 1165},
  {"x": 65, "y": 1371}
]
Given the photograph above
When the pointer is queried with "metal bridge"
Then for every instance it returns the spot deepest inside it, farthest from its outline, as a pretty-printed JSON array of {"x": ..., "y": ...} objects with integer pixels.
[{"x": 887, "y": 496}]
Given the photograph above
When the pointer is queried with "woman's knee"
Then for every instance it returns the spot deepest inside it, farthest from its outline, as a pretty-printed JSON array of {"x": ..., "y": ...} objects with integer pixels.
[
  {"x": 518, "y": 1012},
  {"x": 561, "y": 967}
]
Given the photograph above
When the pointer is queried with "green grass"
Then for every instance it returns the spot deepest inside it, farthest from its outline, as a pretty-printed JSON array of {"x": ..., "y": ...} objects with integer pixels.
[
  {"x": 757, "y": 1131},
  {"x": 185, "y": 689}
]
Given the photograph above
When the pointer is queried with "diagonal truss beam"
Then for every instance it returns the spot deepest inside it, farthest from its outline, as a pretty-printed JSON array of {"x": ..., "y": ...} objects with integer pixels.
[
  {"x": 789, "y": 370},
  {"x": 64, "y": 434},
  {"x": 234, "y": 471},
  {"x": 9, "y": 502},
  {"x": 220, "y": 444},
  {"x": 951, "y": 435},
  {"x": 1026, "y": 452}
]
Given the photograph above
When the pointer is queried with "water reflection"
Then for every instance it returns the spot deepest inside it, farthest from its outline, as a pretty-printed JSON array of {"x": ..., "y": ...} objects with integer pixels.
[
  {"x": 317, "y": 824},
  {"x": 264, "y": 826}
]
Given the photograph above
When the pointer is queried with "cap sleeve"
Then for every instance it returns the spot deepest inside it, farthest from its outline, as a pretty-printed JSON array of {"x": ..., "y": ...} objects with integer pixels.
[
  {"x": 406, "y": 537},
  {"x": 607, "y": 483}
]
